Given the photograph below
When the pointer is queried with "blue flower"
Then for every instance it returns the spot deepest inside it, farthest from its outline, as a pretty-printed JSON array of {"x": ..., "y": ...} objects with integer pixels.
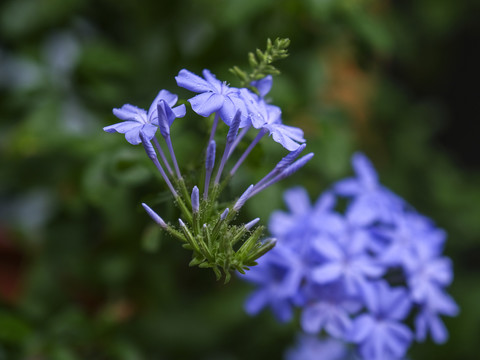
[
  {"x": 328, "y": 307},
  {"x": 215, "y": 96},
  {"x": 263, "y": 85},
  {"x": 278, "y": 279},
  {"x": 371, "y": 201},
  {"x": 295, "y": 223},
  {"x": 426, "y": 271},
  {"x": 380, "y": 333},
  {"x": 399, "y": 244},
  {"x": 305, "y": 222},
  {"x": 428, "y": 319},
  {"x": 428, "y": 274},
  {"x": 268, "y": 117},
  {"x": 310, "y": 347},
  {"x": 345, "y": 267},
  {"x": 137, "y": 120},
  {"x": 347, "y": 260}
]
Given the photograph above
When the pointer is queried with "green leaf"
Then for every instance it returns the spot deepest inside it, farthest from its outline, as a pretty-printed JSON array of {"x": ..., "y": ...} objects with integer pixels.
[{"x": 13, "y": 329}]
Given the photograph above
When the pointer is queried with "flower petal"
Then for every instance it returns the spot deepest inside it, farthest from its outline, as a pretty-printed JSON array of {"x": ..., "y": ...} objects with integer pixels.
[
  {"x": 130, "y": 112},
  {"x": 327, "y": 273},
  {"x": 256, "y": 302},
  {"x": 165, "y": 118},
  {"x": 179, "y": 111},
  {"x": 133, "y": 136},
  {"x": 313, "y": 319},
  {"x": 285, "y": 135},
  {"x": 328, "y": 248},
  {"x": 263, "y": 85},
  {"x": 274, "y": 116},
  {"x": 192, "y": 82},
  {"x": 122, "y": 127},
  {"x": 213, "y": 81},
  {"x": 363, "y": 211},
  {"x": 281, "y": 223},
  {"x": 167, "y": 96},
  {"x": 206, "y": 103},
  {"x": 348, "y": 187},
  {"x": 361, "y": 328},
  {"x": 149, "y": 130},
  {"x": 297, "y": 200},
  {"x": 365, "y": 170},
  {"x": 228, "y": 110}
]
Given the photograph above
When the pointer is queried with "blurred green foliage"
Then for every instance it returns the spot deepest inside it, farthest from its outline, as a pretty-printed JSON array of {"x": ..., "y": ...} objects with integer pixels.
[{"x": 84, "y": 274}]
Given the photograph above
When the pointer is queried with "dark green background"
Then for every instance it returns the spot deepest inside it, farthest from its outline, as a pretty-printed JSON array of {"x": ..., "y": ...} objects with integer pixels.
[{"x": 84, "y": 274}]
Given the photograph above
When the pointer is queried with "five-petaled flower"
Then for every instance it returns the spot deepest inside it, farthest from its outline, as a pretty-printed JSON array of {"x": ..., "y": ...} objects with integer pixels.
[
  {"x": 136, "y": 120},
  {"x": 214, "y": 96}
]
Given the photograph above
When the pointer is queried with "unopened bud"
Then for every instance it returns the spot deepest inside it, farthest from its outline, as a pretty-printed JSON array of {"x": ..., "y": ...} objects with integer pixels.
[
  {"x": 210, "y": 160},
  {"x": 195, "y": 199},
  {"x": 241, "y": 201},
  {"x": 155, "y": 217},
  {"x": 252, "y": 223},
  {"x": 224, "y": 214}
]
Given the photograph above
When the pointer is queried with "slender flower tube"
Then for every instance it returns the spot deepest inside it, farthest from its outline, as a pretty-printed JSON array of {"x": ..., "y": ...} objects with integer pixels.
[
  {"x": 281, "y": 165},
  {"x": 224, "y": 214},
  {"x": 284, "y": 174},
  {"x": 232, "y": 133},
  {"x": 248, "y": 150},
  {"x": 214, "y": 128},
  {"x": 153, "y": 156},
  {"x": 209, "y": 165},
  {"x": 243, "y": 198},
  {"x": 162, "y": 155},
  {"x": 239, "y": 138},
  {"x": 165, "y": 118}
]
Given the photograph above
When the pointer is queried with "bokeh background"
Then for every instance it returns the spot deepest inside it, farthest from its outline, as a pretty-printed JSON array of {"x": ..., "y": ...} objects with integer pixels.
[{"x": 84, "y": 274}]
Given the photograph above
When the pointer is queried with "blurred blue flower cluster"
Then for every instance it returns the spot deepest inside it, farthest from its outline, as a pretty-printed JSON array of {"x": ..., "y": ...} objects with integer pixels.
[{"x": 359, "y": 263}]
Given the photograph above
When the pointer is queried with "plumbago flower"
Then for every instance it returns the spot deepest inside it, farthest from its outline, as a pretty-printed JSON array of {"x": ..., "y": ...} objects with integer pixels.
[
  {"x": 358, "y": 276},
  {"x": 214, "y": 96},
  {"x": 136, "y": 120},
  {"x": 205, "y": 227},
  {"x": 309, "y": 347}
]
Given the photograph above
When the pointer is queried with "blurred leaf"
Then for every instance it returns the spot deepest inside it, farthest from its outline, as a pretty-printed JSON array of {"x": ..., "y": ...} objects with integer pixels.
[
  {"x": 23, "y": 17},
  {"x": 13, "y": 330},
  {"x": 152, "y": 238}
]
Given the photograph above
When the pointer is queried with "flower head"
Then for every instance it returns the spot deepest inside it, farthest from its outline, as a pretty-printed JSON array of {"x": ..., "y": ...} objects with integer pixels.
[
  {"x": 358, "y": 276},
  {"x": 205, "y": 227}
]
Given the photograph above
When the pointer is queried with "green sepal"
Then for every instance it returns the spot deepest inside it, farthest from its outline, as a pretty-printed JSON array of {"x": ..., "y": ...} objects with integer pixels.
[{"x": 197, "y": 261}]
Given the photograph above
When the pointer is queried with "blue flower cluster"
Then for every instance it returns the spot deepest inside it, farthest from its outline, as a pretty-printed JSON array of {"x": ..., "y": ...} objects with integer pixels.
[
  {"x": 205, "y": 228},
  {"x": 357, "y": 276},
  {"x": 215, "y": 97}
]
